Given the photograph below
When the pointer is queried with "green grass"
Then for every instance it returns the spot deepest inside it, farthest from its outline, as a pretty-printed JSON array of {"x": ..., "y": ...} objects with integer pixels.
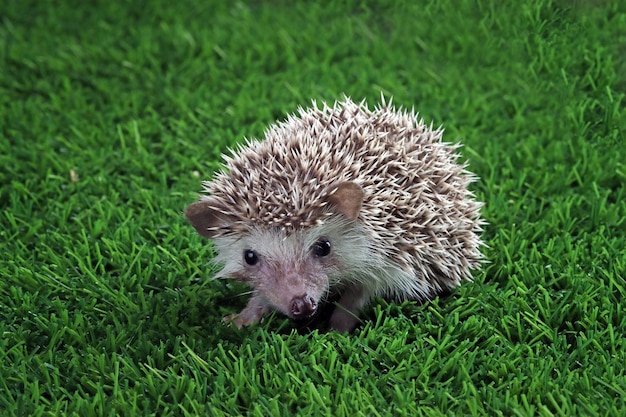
[{"x": 109, "y": 110}]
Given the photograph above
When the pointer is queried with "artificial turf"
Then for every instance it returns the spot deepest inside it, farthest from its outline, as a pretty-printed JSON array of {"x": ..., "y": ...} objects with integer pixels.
[{"x": 111, "y": 113}]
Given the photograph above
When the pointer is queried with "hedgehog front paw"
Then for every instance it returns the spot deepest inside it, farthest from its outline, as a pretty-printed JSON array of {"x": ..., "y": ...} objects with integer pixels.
[
  {"x": 253, "y": 312},
  {"x": 343, "y": 321},
  {"x": 238, "y": 320},
  {"x": 346, "y": 315}
]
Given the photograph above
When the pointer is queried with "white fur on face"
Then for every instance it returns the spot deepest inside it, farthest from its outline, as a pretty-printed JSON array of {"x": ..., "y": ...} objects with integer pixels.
[{"x": 288, "y": 266}]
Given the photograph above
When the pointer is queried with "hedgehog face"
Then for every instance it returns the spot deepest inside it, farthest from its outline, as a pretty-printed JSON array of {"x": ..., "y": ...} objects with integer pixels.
[{"x": 291, "y": 270}]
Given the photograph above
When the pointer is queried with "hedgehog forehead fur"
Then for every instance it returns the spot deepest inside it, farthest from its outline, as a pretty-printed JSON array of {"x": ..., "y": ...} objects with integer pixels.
[{"x": 409, "y": 176}]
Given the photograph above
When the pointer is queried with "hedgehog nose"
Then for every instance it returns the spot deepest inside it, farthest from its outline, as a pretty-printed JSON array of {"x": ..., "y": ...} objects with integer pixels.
[{"x": 303, "y": 307}]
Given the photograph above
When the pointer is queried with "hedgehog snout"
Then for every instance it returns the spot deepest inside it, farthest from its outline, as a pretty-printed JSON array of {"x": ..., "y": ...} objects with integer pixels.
[{"x": 303, "y": 306}]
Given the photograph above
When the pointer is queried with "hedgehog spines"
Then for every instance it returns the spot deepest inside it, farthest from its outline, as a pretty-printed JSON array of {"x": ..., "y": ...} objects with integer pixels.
[{"x": 417, "y": 208}]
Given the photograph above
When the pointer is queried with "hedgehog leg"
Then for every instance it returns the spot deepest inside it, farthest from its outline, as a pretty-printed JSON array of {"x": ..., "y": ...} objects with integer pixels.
[
  {"x": 256, "y": 308},
  {"x": 346, "y": 314}
]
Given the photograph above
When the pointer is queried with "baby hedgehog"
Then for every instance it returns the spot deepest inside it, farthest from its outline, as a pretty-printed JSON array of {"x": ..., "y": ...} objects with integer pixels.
[{"x": 342, "y": 200}]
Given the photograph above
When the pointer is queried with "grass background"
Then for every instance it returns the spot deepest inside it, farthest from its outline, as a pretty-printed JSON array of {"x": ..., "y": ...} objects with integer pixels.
[{"x": 111, "y": 112}]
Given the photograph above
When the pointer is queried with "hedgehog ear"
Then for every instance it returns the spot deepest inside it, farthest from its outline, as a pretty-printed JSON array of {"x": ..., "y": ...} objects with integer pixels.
[
  {"x": 347, "y": 199},
  {"x": 206, "y": 218}
]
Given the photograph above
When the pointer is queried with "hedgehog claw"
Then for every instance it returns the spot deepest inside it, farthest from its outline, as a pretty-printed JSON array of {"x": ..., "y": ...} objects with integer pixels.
[{"x": 230, "y": 319}]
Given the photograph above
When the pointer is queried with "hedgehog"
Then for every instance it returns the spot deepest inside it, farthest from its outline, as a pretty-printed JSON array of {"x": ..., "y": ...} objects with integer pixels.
[{"x": 341, "y": 201}]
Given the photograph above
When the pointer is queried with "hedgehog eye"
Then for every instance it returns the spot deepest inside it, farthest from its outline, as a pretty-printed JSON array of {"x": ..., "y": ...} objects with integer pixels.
[
  {"x": 321, "y": 248},
  {"x": 250, "y": 257}
]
